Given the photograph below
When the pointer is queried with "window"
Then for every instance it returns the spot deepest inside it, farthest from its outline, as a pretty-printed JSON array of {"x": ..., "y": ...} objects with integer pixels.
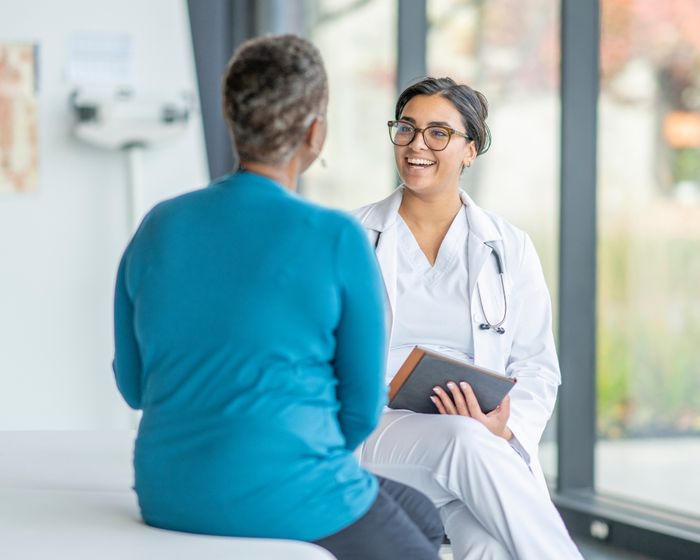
[
  {"x": 361, "y": 65},
  {"x": 648, "y": 375}
]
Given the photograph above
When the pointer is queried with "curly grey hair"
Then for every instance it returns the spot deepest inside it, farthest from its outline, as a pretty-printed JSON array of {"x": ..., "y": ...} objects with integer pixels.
[{"x": 274, "y": 87}]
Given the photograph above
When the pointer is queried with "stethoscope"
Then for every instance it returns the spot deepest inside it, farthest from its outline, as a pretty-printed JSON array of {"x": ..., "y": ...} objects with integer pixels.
[
  {"x": 486, "y": 325},
  {"x": 496, "y": 327}
]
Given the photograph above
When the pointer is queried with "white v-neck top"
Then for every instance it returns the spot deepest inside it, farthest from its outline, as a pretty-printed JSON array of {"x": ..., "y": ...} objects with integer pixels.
[{"x": 432, "y": 302}]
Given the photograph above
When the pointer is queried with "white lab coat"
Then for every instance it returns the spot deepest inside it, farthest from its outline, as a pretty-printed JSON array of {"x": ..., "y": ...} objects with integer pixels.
[
  {"x": 482, "y": 487},
  {"x": 526, "y": 350}
]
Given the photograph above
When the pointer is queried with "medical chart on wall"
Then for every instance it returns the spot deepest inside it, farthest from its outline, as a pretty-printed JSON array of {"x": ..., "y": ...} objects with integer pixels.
[
  {"x": 101, "y": 59},
  {"x": 19, "y": 150}
]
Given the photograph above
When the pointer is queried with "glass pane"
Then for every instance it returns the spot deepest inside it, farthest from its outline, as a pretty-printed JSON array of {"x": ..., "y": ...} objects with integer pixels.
[
  {"x": 649, "y": 253},
  {"x": 509, "y": 50},
  {"x": 361, "y": 64}
]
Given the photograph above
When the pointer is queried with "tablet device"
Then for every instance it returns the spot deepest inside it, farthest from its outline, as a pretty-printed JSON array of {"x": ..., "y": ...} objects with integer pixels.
[{"x": 412, "y": 386}]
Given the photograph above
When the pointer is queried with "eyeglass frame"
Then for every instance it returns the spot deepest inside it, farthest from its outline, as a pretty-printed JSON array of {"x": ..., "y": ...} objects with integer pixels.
[{"x": 416, "y": 130}]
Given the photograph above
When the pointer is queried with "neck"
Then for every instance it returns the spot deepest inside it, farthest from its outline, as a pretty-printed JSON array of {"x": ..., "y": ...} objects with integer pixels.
[
  {"x": 286, "y": 174},
  {"x": 436, "y": 209}
]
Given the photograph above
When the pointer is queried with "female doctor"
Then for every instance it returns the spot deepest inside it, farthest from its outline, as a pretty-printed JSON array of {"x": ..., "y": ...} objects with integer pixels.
[{"x": 465, "y": 282}]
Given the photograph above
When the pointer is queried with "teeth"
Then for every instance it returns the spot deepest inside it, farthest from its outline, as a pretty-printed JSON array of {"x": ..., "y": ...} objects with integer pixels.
[{"x": 417, "y": 161}]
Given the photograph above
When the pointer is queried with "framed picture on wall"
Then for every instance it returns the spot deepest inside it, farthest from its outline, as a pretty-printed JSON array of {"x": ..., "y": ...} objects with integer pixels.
[{"x": 19, "y": 150}]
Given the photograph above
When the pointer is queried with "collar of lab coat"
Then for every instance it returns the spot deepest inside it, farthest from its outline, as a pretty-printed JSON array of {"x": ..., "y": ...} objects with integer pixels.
[
  {"x": 381, "y": 218},
  {"x": 382, "y": 215}
]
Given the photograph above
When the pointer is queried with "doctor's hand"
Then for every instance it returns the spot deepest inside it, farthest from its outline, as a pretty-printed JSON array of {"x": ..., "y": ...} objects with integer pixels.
[{"x": 460, "y": 400}]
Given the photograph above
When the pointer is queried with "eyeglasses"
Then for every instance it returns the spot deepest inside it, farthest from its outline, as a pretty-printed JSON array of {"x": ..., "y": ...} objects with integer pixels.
[{"x": 435, "y": 137}]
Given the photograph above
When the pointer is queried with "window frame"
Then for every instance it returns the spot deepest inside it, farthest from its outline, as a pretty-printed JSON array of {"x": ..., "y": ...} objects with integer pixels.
[{"x": 615, "y": 521}]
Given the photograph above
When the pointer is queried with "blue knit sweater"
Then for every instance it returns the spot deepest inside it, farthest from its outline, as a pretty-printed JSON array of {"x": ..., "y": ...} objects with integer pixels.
[{"x": 249, "y": 330}]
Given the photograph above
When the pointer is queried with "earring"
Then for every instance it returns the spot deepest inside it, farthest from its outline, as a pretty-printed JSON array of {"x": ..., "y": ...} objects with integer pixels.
[
  {"x": 469, "y": 163},
  {"x": 321, "y": 159}
]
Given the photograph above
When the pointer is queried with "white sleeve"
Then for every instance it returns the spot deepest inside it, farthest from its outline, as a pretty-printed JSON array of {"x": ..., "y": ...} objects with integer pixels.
[{"x": 533, "y": 358}]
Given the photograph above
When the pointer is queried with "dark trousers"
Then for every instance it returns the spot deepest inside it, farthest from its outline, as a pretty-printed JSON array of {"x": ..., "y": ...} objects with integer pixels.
[{"x": 401, "y": 524}]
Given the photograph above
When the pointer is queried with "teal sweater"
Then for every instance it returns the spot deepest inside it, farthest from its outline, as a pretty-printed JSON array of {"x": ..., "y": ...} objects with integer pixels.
[{"x": 249, "y": 330}]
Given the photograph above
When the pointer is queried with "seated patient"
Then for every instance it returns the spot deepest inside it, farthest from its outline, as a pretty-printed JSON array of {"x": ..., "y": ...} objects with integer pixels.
[{"x": 249, "y": 330}]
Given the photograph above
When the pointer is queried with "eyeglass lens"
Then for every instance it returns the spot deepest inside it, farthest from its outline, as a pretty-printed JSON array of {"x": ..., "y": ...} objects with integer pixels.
[{"x": 435, "y": 137}]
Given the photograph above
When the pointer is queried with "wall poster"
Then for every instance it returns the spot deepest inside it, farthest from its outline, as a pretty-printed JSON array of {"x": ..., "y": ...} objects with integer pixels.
[{"x": 19, "y": 150}]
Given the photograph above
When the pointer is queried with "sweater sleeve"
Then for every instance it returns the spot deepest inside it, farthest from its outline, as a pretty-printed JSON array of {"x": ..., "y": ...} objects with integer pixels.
[
  {"x": 127, "y": 359},
  {"x": 360, "y": 337}
]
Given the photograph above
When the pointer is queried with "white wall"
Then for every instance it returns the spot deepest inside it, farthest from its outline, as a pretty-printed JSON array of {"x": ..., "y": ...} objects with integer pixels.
[{"x": 60, "y": 246}]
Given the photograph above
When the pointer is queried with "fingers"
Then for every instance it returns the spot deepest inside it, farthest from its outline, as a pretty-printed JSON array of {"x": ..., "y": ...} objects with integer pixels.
[
  {"x": 498, "y": 419},
  {"x": 438, "y": 404},
  {"x": 445, "y": 399},
  {"x": 462, "y": 401},
  {"x": 458, "y": 398},
  {"x": 502, "y": 410},
  {"x": 472, "y": 403}
]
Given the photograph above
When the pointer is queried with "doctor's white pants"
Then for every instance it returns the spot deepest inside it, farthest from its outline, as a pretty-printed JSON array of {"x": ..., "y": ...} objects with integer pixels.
[{"x": 491, "y": 505}]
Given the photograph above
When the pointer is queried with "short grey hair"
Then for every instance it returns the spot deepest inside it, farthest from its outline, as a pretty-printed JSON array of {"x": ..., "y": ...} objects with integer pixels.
[{"x": 274, "y": 87}]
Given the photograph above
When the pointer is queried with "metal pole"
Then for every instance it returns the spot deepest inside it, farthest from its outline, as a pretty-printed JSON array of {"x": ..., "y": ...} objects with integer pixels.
[
  {"x": 412, "y": 40},
  {"x": 576, "y": 429},
  {"x": 134, "y": 168}
]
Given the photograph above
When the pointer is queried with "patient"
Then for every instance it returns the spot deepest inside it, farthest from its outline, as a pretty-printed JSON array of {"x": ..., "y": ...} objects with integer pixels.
[{"x": 249, "y": 329}]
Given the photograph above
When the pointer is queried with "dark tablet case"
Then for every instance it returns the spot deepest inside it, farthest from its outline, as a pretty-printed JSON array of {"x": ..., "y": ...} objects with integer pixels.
[{"x": 413, "y": 384}]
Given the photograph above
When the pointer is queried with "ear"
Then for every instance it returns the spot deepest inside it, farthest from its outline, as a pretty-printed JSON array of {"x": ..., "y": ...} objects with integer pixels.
[
  {"x": 470, "y": 154},
  {"x": 315, "y": 134}
]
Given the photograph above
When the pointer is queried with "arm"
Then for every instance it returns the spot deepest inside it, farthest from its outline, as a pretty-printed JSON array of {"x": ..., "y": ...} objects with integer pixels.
[
  {"x": 524, "y": 413},
  {"x": 127, "y": 359},
  {"x": 360, "y": 337},
  {"x": 533, "y": 358}
]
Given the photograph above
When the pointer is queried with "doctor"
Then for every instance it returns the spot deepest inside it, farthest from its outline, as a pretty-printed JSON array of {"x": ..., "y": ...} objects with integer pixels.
[{"x": 465, "y": 282}]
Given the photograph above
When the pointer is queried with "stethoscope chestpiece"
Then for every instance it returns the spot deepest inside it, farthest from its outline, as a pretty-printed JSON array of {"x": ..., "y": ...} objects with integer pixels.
[
  {"x": 495, "y": 327},
  {"x": 486, "y": 326}
]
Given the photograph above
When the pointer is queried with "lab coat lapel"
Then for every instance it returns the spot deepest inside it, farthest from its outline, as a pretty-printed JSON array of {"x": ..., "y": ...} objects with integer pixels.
[
  {"x": 386, "y": 256},
  {"x": 477, "y": 253},
  {"x": 480, "y": 231},
  {"x": 380, "y": 220},
  {"x": 483, "y": 279}
]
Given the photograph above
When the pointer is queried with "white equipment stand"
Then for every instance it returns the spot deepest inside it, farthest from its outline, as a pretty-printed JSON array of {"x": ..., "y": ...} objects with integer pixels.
[{"x": 123, "y": 121}]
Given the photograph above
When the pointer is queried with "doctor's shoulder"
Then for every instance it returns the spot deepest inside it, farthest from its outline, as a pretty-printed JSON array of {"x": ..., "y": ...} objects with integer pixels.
[
  {"x": 380, "y": 210},
  {"x": 360, "y": 214},
  {"x": 517, "y": 244}
]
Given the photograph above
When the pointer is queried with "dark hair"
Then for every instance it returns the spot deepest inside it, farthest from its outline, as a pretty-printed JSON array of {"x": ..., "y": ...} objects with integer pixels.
[
  {"x": 273, "y": 88},
  {"x": 471, "y": 104}
]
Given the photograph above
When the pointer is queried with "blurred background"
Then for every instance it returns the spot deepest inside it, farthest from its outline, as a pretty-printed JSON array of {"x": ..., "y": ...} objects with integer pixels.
[{"x": 72, "y": 190}]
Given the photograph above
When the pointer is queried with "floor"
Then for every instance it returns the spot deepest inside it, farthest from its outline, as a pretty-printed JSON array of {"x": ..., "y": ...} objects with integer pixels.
[{"x": 590, "y": 550}]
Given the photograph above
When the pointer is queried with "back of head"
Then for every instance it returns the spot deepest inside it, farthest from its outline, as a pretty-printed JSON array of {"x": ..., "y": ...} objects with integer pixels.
[
  {"x": 273, "y": 88},
  {"x": 471, "y": 104}
]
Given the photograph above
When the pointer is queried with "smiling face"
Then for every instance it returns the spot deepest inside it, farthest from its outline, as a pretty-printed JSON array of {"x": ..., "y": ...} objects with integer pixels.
[{"x": 424, "y": 170}]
